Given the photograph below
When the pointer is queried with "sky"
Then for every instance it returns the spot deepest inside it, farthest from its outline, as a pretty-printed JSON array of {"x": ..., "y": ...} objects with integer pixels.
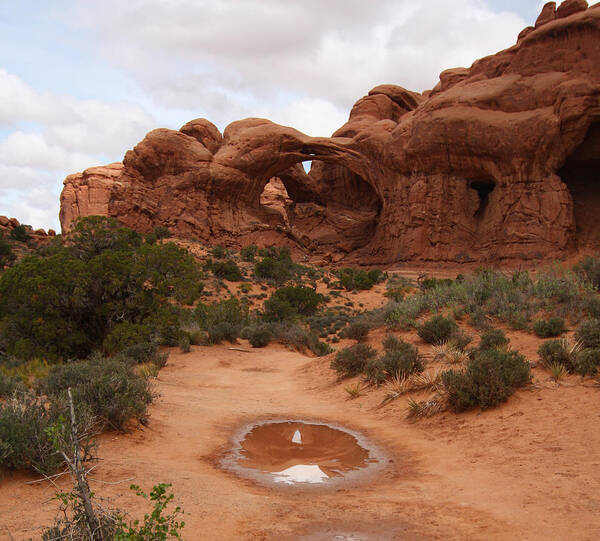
[{"x": 83, "y": 81}]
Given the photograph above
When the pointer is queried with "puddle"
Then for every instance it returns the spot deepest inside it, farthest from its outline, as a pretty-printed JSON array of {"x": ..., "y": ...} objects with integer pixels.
[{"x": 301, "y": 453}]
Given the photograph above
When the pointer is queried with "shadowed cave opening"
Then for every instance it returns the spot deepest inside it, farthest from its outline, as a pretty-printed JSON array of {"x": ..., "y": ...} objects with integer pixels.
[
  {"x": 581, "y": 174},
  {"x": 483, "y": 188}
]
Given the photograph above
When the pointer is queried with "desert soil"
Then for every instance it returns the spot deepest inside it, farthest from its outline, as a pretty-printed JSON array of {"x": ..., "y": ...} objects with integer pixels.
[{"x": 528, "y": 470}]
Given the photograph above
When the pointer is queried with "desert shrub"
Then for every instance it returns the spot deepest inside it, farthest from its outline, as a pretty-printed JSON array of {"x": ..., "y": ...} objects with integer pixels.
[
  {"x": 7, "y": 255},
  {"x": 587, "y": 362},
  {"x": 156, "y": 526},
  {"x": 276, "y": 265},
  {"x": 554, "y": 326},
  {"x": 557, "y": 352},
  {"x": 432, "y": 283},
  {"x": 258, "y": 335},
  {"x": 222, "y": 320},
  {"x": 9, "y": 385},
  {"x": 248, "y": 253},
  {"x": 460, "y": 340},
  {"x": 20, "y": 233},
  {"x": 125, "y": 336},
  {"x": 404, "y": 314},
  {"x": 397, "y": 287},
  {"x": 588, "y": 269},
  {"x": 591, "y": 307},
  {"x": 437, "y": 329},
  {"x": 358, "y": 279},
  {"x": 219, "y": 252},
  {"x": 374, "y": 371},
  {"x": 198, "y": 337},
  {"x": 289, "y": 301},
  {"x": 357, "y": 330},
  {"x": 227, "y": 269},
  {"x": 353, "y": 360},
  {"x": 110, "y": 388},
  {"x": 184, "y": 343},
  {"x": 24, "y": 443},
  {"x": 65, "y": 305},
  {"x": 490, "y": 377},
  {"x": 400, "y": 359},
  {"x": 494, "y": 338},
  {"x": 588, "y": 333}
]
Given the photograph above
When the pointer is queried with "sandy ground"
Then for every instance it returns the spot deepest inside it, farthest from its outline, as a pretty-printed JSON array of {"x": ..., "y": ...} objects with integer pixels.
[{"x": 528, "y": 470}]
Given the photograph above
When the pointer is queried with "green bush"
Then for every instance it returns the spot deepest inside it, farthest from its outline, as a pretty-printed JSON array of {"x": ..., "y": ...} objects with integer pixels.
[
  {"x": 24, "y": 443},
  {"x": 358, "y": 279},
  {"x": 554, "y": 326},
  {"x": 557, "y": 352},
  {"x": 357, "y": 330},
  {"x": 156, "y": 525},
  {"x": 227, "y": 270},
  {"x": 20, "y": 233},
  {"x": 9, "y": 385},
  {"x": 287, "y": 302},
  {"x": 494, "y": 338},
  {"x": 65, "y": 305},
  {"x": 490, "y": 377},
  {"x": 436, "y": 330},
  {"x": 7, "y": 255},
  {"x": 259, "y": 336},
  {"x": 219, "y": 252},
  {"x": 589, "y": 269},
  {"x": 587, "y": 362},
  {"x": 222, "y": 320},
  {"x": 110, "y": 388},
  {"x": 184, "y": 343},
  {"x": 248, "y": 253},
  {"x": 353, "y": 360},
  {"x": 400, "y": 359},
  {"x": 588, "y": 333},
  {"x": 125, "y": 336}
]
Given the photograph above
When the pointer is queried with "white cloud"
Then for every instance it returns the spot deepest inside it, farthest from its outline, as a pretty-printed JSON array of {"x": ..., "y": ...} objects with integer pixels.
[{"x": 233, "y": 56}]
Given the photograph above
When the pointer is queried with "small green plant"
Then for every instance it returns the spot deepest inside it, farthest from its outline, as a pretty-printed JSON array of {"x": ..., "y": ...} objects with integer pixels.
[
  {"x": 437, "y": 329},
  {"x": 226, "y": 269},
  {"x": 358, "y": 279},
  {"x": 156, "y": 526},
  {"x": 554, "y": 326}
]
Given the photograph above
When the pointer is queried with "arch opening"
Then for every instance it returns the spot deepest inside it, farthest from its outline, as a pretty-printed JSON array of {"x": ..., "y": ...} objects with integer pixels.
[
  {"x": 322, "y": 206},
  {"x": 581, "y": 174},
  {"x": 483, "y": 188}
]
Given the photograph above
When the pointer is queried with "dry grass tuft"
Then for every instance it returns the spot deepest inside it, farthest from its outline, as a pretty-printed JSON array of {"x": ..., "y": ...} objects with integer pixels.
[
  {"x": 354, "y": 390},
  {"x": 426, "y": 408},
  {"x": 398, "y": 386},
  {"x": 557, "y": 371}
]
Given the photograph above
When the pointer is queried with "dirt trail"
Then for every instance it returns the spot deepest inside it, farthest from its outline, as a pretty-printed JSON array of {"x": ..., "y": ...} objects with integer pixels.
[{"x": 528, "y": 470}]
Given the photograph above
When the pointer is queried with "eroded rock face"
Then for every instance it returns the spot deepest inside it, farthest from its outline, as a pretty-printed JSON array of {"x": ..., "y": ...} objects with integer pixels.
[{"x": 498, "y": 162}]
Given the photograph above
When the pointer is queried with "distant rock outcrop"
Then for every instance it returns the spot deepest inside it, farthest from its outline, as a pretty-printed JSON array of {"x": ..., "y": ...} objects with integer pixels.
[{"x": 498, "y": 162}]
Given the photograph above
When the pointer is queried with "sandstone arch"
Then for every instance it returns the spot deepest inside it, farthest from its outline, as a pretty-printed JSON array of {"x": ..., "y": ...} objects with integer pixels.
[{"x": 497, "y": 162}]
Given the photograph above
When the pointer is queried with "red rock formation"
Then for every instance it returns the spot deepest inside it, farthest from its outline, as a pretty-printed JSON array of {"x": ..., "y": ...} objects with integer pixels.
[{"x": 498, "y": 161}]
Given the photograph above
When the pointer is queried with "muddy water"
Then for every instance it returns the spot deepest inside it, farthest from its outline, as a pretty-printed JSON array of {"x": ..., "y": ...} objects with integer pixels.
[{"x": 299, "y": 452}]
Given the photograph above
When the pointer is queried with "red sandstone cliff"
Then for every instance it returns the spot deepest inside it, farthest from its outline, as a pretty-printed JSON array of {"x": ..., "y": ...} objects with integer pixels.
[{"x": 499, "y": 161}]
